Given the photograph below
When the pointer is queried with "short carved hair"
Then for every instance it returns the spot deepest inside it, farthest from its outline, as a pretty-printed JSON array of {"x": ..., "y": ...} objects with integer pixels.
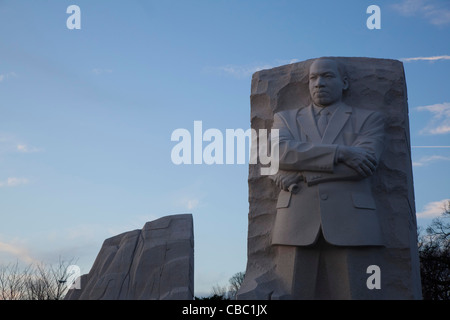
[{"x": 340, "y": 66}]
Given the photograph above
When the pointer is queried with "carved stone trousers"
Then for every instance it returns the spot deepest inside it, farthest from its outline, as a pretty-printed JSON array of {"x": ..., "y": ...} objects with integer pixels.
[{"x": 324, "y": 271}]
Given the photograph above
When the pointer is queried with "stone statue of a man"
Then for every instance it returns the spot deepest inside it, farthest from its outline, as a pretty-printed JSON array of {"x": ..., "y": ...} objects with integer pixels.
[{"x": 326, "y": 228}]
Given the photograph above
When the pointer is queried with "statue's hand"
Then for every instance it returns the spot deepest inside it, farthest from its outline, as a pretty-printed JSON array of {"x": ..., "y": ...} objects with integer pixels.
[
  {"x": 285, "y": 179},
  {"x": 357, "y": 158}
]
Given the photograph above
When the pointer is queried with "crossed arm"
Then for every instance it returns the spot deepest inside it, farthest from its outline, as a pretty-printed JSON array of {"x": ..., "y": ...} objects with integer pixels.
[{"x": 318, "y": 163}]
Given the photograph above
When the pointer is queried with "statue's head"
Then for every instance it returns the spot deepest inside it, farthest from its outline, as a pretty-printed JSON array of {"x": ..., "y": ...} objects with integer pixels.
[{"x": 327, "y": 81}]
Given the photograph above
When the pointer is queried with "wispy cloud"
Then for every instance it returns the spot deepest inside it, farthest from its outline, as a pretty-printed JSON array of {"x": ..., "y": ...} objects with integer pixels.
[
  {"x": 10, "y": 144},
  {"x": 424, "y": 161},
  {"x": 18, "y": 251},
  {"x": 189, "y": 202},
  {"x": 244, "y": 71},
  {"x": 431, "y": 147},
  {"x": 409, "y": 7},
  {"x": 440, "y": 123},
  {"x": 6, "y": 76},
  {"x": 431, "y": 59},
  {"x": 189, "y": 197},
  {"x": 27, "y": 149},
  {"x": 13, "y": 182},
  {"x": 434, "y": 11},
  {"x": 433, "y": 209},
  {"x": 99, "y": 71}
]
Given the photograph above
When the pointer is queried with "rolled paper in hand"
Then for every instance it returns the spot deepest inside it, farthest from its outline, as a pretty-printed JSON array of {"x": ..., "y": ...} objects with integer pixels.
[{"x": 294, "y": 188}]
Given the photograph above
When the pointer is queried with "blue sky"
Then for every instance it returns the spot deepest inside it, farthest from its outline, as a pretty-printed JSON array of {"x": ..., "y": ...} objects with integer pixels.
[{"x": 86, "y": 115}]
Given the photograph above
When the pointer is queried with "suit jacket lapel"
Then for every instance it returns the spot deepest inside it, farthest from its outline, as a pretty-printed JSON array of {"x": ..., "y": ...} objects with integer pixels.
[
  {"x": 307, "y": 123},
  {"x": 336, "y": 123}
]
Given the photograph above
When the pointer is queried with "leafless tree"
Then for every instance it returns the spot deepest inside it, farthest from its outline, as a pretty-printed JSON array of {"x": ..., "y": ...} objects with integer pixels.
[
  {"x": 434, "y": 253},
  {"x": 228, "y": 292},
  {"x": 235, "y": 283},
  {"x": 38, "y": 281},
  {"x": 220, "y": 291},
  {"x": 13, "y": 281}
]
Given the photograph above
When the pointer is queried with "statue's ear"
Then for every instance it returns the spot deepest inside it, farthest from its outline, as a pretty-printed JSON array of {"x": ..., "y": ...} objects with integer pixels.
[{"x": 345, "y": 82}]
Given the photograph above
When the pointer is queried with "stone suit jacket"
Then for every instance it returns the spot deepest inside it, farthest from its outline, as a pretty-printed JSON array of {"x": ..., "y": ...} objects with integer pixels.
[{"x": 333, "y": 197}]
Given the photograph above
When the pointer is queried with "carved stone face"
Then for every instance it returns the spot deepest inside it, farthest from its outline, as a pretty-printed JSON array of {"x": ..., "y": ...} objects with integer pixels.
[{"x": 325, "y": 82}]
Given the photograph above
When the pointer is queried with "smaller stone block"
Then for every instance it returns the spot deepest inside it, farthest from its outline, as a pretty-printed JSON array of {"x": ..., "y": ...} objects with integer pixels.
[{"x": 155, "y": 263}]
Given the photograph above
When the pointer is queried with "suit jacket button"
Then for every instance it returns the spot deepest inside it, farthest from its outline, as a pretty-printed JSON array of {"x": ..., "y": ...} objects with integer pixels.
[{"x": 324, "y": 196}]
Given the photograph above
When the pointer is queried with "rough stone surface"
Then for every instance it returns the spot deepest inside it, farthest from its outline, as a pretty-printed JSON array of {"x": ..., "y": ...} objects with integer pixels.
[
  {"x": 375, "y": 84},
  {"x": 155, "y": 263}
]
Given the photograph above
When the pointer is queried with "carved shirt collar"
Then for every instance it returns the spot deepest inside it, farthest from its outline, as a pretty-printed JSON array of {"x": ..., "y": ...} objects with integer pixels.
[{"x": 331, "y": 109}]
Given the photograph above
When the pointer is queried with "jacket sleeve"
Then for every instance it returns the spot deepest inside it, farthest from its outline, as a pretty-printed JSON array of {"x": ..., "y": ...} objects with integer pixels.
[
  {"x": 370, "y": 138},
  {"x": 296, "y": 155},
  {"x": 341, "y": 173},
  {"x": 371, "y": 135}
]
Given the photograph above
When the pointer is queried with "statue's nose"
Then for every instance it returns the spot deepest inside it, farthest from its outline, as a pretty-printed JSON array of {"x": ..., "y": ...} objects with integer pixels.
[{"x": 320, "y": 82}]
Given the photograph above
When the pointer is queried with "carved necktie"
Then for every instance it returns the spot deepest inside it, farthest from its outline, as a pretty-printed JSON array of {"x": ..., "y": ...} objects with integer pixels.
[{"x": 322, "y": 122}]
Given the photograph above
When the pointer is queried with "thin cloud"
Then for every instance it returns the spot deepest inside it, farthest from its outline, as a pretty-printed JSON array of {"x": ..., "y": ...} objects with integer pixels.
[
  {"x": 409, "y": 7},
  {"x": 435, "y": 12},
  {"x": 431, "y": 147},
  {"x": 247, "y": 70},
  {"x": 424, "y": 161},
  {"x": 290, "y": 61},
  {"x": 189, "y": 198},
  {"x": 6, "y": 76},
  {"x": 192, "y": 204},
  {"x": 433, "y": 209},
  {"x": 18, "y": 251},
  {"x": 440, "y": 123},
  {"x": 99, "y": 71},
  {"x": 13, "y": 182},
  {"x": 242, "y": 71},
  {"x": 432, "y": 59},
  {"x": 189, "y": 202},
  {"x": 11, "y": 144},
  {"x": 27, "y": 149}
]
